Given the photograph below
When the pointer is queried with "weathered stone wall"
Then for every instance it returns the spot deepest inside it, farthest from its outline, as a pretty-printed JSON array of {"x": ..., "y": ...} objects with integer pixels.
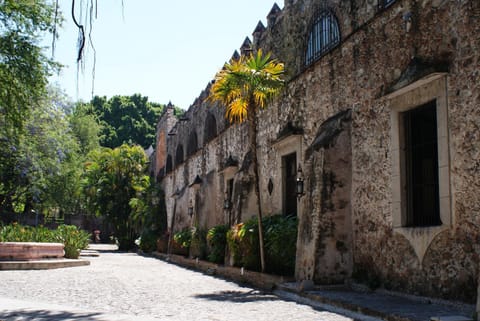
[
  {"x": 376, "y": 50},
  {"x": 347, "y": 213}
]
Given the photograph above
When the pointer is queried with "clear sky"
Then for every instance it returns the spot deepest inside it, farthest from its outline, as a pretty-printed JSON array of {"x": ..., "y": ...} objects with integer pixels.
[{"x": 167, "y": 50}]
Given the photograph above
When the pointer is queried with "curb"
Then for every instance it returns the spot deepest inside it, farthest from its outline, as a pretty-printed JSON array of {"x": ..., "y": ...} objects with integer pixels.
[
  {"x": 42, "y": 264},
  {"x": 287, "y": 288},
  {"x": 263, "y": 281}
]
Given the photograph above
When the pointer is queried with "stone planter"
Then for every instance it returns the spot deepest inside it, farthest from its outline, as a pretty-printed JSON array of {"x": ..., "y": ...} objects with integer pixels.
[
  {"x": 162, "y": 245},
  {"x": 30, "y": 250},
  {"x": 178, "y": 249}
]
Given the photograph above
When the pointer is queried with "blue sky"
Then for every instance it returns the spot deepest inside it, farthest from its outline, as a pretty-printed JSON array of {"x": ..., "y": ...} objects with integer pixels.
[{"x": 166, "y": 50}]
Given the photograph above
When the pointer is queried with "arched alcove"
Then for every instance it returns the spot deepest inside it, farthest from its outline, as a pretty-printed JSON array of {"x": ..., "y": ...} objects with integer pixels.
[
  {"x": 210, "y": 130},
  {"x": 192, "y": 146},
  {"x": 169, "y": 165},
  {"x": 179, "y": 156}
]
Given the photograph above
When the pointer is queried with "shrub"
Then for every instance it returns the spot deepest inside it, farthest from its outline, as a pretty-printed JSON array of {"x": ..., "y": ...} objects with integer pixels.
[
  {"x": 217, "y": 241},
  {"x": 19, "y": 233},
  {"x": 198, "y": 244},
  {"x": 148, "y": 241},
  {"x": 280, "y": 239},
  {"x": 183, "y": 238},
  {"x": 280, "y": 243},
  {"x": 243, "y": 243},
  {"x": 73, "y": 238}
]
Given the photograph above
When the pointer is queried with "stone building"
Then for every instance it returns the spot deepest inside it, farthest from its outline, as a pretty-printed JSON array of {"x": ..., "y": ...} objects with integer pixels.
[{"x": 381, "y": 112}]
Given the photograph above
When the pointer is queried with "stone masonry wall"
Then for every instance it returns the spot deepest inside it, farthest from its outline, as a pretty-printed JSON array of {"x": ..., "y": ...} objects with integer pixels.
[{"x": 355, "y": 234}]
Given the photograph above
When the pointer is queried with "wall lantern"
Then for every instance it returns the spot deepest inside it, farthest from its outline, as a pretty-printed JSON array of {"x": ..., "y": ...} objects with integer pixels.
[
  {"x": 407, "y": 18},
  {"x": 226, "y": 203},
  {"x": 190, "y": 209},
  {"x": 196, "y": 183},
  {"x": 299, "y": 187}
]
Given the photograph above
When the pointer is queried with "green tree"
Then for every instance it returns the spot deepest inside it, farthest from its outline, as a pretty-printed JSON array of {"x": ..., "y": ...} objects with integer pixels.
[
  {"x": 125, "y": 119},
  {"x": 23, "y": 77},
  {"x": 23, "y": 66},
  {"x": 40, "y": 166},
  {"x": 86, "y": 129},
  {"x": 114, "y": 182},
  {"x": 244, "y": 86}
]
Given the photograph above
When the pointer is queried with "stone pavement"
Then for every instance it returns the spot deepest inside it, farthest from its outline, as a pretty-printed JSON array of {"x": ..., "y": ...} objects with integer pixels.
[
  {"x": 127, "y": 286},
  {"x": 382, "y": 304}
]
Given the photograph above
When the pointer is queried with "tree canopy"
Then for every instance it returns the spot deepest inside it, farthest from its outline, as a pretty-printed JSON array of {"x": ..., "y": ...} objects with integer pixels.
[
  {"x": 115, "y": 184},
  {"x": 125, "y": 119},
  {"x": 40, "y": 165},
  {"x": 23, "y": 66}
]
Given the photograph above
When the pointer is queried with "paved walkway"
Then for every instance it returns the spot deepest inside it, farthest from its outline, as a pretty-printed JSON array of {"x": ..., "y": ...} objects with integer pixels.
[
  {"x": 386, "y": 305},
  {"x": 126, "y": 286}
]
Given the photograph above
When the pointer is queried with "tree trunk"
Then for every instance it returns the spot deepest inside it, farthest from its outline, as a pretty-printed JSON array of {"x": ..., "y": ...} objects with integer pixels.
[{"x": 252, "y": 128}]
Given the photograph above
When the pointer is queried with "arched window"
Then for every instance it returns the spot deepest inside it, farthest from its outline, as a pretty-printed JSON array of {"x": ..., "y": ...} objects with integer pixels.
[
  {"x": 192, "y": 146},
  {"x": 324, "y": 35},
  {"x": 169, "y": 166},
  {"x": 179, "y": 155},
  {"x": 210, "y": 131}
]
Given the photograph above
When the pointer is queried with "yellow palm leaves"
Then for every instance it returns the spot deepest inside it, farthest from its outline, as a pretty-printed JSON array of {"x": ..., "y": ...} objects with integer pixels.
[{"x": 246, "y": 84}]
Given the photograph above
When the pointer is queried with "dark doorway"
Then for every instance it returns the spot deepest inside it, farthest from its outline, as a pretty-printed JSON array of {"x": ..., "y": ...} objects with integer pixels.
[
  {"x": 421, "y": 159},
  {"x": 289, "y": 163}
]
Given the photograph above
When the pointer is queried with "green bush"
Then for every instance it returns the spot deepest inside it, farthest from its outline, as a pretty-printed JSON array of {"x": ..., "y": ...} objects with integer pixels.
[
  {"x": 148, "y": 240},
  {"x": 243, "y": 243},
  {"x": 19, "y": 233},
  {"x": 198, "y": 244},
  {"x": 280, "y": 244},
  {"x": 184, "y": 237},
  {"x": 280, "y": 241},
  {"x": 73, "y": 238},
  {"x": 217, "y": 241}
]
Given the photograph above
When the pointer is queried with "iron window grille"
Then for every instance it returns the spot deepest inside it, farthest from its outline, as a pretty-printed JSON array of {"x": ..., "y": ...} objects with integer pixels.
[{"x": 324, "y": 35}]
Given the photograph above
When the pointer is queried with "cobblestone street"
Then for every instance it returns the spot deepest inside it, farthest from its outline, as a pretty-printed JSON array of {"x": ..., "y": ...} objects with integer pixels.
[{"x": 126, "y": 286}]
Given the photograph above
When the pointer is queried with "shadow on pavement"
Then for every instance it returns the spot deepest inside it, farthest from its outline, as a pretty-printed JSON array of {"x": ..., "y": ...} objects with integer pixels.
[
  {"x": 238, "y": 296},
  {"x": 40, "y": 315}
]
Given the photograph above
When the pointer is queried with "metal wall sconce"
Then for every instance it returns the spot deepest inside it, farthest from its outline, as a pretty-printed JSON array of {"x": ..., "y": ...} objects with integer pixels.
[
  {"x": 407, "y": 18},
  {"x": 299, "y": 187},
  {"x": 226, "y": 203},
  {"x": 190, "y": 209}
]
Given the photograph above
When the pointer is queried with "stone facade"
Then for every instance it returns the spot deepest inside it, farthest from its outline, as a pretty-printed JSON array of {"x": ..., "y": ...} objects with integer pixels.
[{"x": 340, "y": 117}]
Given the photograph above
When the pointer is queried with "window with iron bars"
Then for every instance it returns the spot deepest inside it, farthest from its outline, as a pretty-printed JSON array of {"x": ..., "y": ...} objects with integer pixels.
[{"x": 324, "y": 35}]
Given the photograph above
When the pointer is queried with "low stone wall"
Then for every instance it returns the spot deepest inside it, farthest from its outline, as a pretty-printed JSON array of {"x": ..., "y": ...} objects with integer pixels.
[
  {"x": 30, "y": 250},
  {"x": 259, "y": 280}
]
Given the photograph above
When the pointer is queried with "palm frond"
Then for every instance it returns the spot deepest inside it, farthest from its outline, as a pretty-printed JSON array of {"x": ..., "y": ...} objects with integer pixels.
[{"x": 246, "y": 84}]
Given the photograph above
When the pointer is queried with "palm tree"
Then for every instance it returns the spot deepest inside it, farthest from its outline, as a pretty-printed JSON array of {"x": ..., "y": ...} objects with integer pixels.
[{"x": 244, "y": 86}]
